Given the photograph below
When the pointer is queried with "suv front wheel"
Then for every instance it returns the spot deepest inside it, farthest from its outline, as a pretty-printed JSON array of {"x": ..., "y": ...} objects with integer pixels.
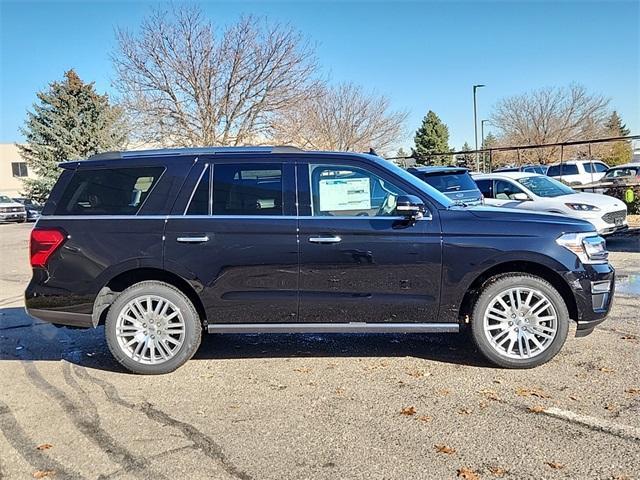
[
  {"x": 519, "y": 321},
  {"x": 152, "y": 328}
]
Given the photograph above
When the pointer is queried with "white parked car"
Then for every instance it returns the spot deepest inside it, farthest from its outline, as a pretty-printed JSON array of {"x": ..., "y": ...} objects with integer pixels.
[
  {"x": 578, "y": 172},
  {"x": 531, "y": 191}
]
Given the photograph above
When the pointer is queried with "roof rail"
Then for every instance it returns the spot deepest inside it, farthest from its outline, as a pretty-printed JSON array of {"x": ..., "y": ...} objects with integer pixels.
[{"x": 194, "y": 151}]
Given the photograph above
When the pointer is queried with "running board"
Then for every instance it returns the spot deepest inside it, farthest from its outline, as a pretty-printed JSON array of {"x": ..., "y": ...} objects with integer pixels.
[{"x": 333, "y": 328}]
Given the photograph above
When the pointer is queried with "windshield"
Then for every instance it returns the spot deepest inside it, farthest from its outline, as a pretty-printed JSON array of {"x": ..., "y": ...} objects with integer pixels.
[
  {"x": 545, "y": 186},
  {"x": 5, "y": 199},
  {"x": 450, "y": 182}
]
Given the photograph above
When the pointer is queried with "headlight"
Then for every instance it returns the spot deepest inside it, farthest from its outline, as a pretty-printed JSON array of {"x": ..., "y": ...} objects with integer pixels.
[
  {"x": 582, "y": 207},
  {"x": 589, "y": 247}
]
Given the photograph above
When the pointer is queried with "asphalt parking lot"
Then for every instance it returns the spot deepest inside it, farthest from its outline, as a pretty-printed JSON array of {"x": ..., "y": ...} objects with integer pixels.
[{"x": 317, "y": 406}]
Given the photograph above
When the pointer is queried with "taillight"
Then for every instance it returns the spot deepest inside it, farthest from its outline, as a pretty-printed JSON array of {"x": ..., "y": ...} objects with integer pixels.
[{"x": 44, "y": 241}]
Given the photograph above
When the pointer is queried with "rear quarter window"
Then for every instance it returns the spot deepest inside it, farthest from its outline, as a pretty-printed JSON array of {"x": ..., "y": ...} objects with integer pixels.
[{"x": 108, "y": 191}]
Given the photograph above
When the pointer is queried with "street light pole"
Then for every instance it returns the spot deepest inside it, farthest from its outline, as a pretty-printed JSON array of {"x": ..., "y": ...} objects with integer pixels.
[
  {"x": 475, "y": 124},
  {"x": 482, "y": 122}
]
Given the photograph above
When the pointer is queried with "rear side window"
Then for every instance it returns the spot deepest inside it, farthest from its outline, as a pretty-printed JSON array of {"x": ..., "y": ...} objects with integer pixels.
[
  {"x": 557, "y": 170},
  {"x": 117, "y": 191},
  {"x": 247, "y": 189}
]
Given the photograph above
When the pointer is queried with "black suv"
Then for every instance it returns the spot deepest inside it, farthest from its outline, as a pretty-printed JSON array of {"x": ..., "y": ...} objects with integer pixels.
[
  {"x": 454, "y": 182},
  {"x": 161, "y": 245}
]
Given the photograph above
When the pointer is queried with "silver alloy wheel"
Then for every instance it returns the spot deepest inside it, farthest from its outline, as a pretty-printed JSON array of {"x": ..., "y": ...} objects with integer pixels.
[
  {"x": 150, "y": 329},
  {"x": 520, "y": 322}
]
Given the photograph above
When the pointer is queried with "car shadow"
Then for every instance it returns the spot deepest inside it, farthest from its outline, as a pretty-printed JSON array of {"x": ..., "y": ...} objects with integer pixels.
[
  {"x": 24, "y": 338},
  {"x": 624, "y": 242}
]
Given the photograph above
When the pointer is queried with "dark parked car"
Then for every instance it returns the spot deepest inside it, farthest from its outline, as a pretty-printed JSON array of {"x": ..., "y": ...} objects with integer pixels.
[
  {"x": 454, "y": 182},
  {"x": 161, "y": 245},
  {"x": 541, "y": 169},
  {"x": 33, "y": 209}
]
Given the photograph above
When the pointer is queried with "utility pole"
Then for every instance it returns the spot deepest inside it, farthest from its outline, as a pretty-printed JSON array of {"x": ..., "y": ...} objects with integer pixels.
[
  {"x": 482, "y": 122},
  {"x": 475, "y": 124}
]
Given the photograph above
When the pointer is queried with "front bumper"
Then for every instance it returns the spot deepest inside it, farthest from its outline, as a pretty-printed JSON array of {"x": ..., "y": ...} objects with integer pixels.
[
  {"x": 593, "y": 289},
  {"x": 13, "y": 217}
]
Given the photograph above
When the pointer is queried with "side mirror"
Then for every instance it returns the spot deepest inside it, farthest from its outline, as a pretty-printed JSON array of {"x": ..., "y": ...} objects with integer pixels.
[
  {"x": 522, "y": 197},
  {"x": 410, "y": 207}
]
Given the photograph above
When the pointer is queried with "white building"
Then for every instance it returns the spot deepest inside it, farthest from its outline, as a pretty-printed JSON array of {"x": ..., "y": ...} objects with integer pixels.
[{"x": 13, "y": 169}]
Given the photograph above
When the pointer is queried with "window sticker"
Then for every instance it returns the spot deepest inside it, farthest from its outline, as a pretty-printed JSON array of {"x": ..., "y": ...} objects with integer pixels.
[{"x": 345, "y": 194}]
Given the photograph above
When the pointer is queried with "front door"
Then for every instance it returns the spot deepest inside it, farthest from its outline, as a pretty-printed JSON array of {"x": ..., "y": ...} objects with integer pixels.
[
  {"x": 235, "y": 240},
  {"x": 359, "y": 260}
]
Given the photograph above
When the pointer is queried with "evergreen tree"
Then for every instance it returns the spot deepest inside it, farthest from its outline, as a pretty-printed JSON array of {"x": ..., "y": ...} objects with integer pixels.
[
  {"x": 490, "y": 141},
  {"x": 432, "y": 137},
  {"x": 466, "y": 159},
  {"x": 71, "y": 121},
  {"x": 615, "y": 126},
  {"x": 618, "y": 153}
]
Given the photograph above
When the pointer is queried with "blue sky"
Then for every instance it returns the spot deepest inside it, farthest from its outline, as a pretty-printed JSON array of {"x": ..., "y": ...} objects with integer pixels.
[{"x": 422, "y": 55}]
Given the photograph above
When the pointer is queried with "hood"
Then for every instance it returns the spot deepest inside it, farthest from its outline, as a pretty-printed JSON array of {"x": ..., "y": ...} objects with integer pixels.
[
  {"x": 603, "y": 201},
  {"x": 515, "y": 220},
  {"x": 11, "y": 205}
]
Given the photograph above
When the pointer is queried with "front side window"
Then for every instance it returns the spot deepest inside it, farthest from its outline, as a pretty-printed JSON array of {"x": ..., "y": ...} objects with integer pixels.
[
  {"x": 599, "y": 167},
  {"x": 505, "y": 190},
  {"x": 247, "y": 189},
  {"x": 351, "y": 191},
  {"x": 116, "y": 191}
]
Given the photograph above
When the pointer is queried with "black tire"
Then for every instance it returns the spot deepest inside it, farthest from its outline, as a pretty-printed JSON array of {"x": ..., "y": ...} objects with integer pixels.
[
  {"x": 192, "y": 327},
  {"x": 501, "y": 283}
]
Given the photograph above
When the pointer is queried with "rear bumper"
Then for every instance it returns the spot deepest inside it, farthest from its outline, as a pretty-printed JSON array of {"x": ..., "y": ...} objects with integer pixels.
[{"x": 69, "y": 319}]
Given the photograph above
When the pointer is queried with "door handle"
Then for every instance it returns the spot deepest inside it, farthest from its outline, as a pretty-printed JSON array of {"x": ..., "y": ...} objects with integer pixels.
[
  {"x": 193, "y": 239},
  {"x": 331, "y": 239}
]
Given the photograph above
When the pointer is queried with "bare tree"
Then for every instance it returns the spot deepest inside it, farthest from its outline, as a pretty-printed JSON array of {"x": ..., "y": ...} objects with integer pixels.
[
  {"x": 344, "y": 117},
  {"x": 550, "y": 115},
  {"x": 184, "y": 82}
]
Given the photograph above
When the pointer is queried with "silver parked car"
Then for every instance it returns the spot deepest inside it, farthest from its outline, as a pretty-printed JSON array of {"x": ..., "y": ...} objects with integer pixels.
[{"x": 11, "y": 211}]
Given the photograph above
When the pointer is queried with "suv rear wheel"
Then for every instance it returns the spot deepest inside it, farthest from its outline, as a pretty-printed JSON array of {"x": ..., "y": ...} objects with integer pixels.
[
  {"x": 519, "y": 321},
  {"x": 152, "y": 328}
]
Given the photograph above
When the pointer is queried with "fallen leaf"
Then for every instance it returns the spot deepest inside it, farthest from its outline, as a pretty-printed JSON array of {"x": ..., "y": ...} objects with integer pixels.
[
  {"x": 533, "y": 392},
  {"x": 43, "y": 473},
  {"x": 633, "y": 391},
  {"x": 610, "y": 406},
  {"x": 606, "y": 370},
  {"x": 490, "y": 394},
  {"x": 441, "y": 448},
  {"x": 425, "y": 418},
  {"x": 629, "y": 337},
  {"x": 339, "y": 391},
  {"x": 573, "y": 397},
  {"x": 415, "y": 374},
  {"x": 536, "y": 409},
  {"x": 498, "y": 471},
  {"x": 468, "y": 474},
  {"x": 464, "y": 411},
  {"x": 44, "y": 446},
  {"x": 497, "y": 380},
  {"x": 302, "y": 370},
  {"x": 408, "y": 411},
  {"x": 444, "y": 391},
  {"x": 555, "y": 465}
]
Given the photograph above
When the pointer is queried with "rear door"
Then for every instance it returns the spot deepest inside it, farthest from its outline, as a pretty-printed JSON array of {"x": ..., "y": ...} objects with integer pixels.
[
  {"x": 233, "y": 236},
  {"x": 359, "y": 260}
]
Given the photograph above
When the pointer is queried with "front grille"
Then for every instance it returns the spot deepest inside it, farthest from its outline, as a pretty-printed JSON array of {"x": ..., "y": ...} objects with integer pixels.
[
  {"x": 611, "y": 217},
  {"x": 11, "y": 209}
]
